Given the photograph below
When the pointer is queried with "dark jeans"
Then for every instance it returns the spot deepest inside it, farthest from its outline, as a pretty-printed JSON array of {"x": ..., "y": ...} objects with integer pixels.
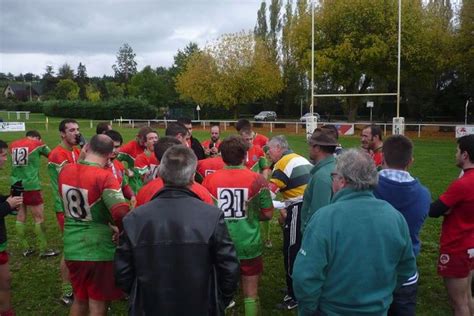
[
  {"x": 404, "y": 301},
  {"x": 291, "y": 242}
]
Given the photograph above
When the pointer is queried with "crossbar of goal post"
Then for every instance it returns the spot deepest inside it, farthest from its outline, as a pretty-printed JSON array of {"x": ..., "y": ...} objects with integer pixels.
[{"x": 312, "y": 123}]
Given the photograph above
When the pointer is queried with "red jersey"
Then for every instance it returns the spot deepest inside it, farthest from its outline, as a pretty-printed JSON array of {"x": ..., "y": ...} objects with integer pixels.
[
  {"x": 117, "y": 169},
  {"x": 57, "y": 159},
  {"x": 378, "y": 158},
  {"x": 146, "y": 164},
  {"x": 260, "y": 140},
  {"x": 207, "y": 166},
  {"x": 457, "y": 232},
  {"x": 206, "y": 144},
  {"x": 131, "y": 149},
  {"x": 151, "y": 188},
  {"x": 256, "y": 159}
]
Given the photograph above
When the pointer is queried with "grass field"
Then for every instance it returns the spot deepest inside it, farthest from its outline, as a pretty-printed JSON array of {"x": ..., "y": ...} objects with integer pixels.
[{"x": 36, "y": 282}]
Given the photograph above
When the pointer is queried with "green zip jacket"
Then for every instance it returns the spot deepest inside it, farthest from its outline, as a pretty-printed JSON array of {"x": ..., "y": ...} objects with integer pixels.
[
  {"x": 318, "y": 193},
  {"x": 355, "y": 253}
]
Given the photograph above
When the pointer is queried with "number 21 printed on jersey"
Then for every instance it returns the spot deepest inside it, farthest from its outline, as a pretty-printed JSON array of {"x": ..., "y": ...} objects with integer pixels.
[{"x": 232, "y": 202}]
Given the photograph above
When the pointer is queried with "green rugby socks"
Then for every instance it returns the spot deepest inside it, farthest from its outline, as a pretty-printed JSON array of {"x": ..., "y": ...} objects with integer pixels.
[
  {"x": 20, "y": 233},
  {"x": 251, "y": 306},
  {"x": 41, "y": 237}
]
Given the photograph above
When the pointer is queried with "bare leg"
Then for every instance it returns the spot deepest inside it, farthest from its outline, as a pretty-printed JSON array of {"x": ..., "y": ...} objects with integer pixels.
[
  {"x": 98, "y": 308},
  {"x": 79, "y": 308},
  {"x": 458, "y": 290}
]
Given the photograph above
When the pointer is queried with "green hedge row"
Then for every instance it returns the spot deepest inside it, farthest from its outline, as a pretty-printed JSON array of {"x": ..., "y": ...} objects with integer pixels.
[{"x": 106, "y": 110}]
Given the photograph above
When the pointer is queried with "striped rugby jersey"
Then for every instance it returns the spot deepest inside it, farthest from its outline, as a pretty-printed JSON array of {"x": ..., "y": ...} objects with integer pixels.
[{"x": 290, "y": 176}]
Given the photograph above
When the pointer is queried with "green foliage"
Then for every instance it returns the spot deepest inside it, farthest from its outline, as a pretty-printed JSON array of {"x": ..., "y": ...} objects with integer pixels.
[
  {"x": 65, "y": 72},
  {"x": 105, "y": 110},
  {"x": 147, "y": 85},
  {"x": 12, "y": 105},
  {"x": 66, "y": 89},
  {"x": 114, "y": 90}
]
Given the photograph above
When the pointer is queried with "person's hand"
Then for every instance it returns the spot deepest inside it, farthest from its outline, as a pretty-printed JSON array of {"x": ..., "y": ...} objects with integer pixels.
[
  {"x": 15, "y": 201},
  {"x": 133, "y": 202},
  {"x": 115, "y": 233},
  {"x": 214, "y": 150},
  {"x": 207, "y": 151},
  {"x": 282, "y": 218}
]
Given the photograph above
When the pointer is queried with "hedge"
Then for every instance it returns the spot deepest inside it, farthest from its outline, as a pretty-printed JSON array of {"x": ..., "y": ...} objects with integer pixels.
[{"x": 105, "y": 110}]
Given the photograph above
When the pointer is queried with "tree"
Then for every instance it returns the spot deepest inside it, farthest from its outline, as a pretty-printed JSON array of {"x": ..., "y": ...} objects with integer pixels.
[
  {"x": 49, "y": 81},
  {"x": 125, "y": 66},
  {"x": 114, "y": 90},
  {"x": 465, "y": 47},
  {"x": 235, "y": 70},
  {"x": 65, "y": 72},
  {"x": 82, "y": 81},
  {"x": 261, "y": 29},
  {"x": 67, "y": 89},
  {"x": 147, "y": 85}
]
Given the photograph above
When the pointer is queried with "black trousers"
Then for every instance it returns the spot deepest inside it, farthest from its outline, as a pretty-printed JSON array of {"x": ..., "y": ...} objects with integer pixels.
[{"x": 291, "y": 242}]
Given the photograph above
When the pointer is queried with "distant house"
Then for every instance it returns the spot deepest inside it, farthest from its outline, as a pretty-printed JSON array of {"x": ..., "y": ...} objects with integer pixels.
[{"x": 23, "y": 91}]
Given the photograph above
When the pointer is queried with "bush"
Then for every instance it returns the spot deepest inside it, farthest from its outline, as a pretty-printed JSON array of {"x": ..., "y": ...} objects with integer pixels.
[
  {"x": 105, "y": 110},
  {"x": 13, "y": 105}
]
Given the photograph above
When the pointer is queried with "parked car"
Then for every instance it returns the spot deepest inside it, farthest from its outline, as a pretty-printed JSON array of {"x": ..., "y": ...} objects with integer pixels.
[
  {"x": 304, "y": 117},
  {"x": 266, "y": 116}
]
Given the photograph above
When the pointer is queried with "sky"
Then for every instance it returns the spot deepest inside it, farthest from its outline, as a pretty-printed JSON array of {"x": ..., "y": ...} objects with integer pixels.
[{"x": 53, "y": 32}]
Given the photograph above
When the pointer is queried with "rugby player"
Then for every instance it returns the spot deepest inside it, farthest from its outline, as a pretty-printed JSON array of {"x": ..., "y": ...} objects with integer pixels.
[
  {"x": 94, "y": 207},
  {"x": 146, "y": 163},
  {"x": 65, "y": 153},
  {"x": 26, "y": 154},
  {"x": 244, "y": 198}
]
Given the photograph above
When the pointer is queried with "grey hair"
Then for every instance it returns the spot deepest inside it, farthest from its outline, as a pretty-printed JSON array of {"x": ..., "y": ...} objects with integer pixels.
[
  {"x": 358, "y": 169},
  {"x": 280, "y": 141},
  {"x": 178, "y": 165}
]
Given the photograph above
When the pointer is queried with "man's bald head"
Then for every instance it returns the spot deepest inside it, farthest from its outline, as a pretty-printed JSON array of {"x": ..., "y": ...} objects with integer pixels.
[{"x": 101, "y": 145}]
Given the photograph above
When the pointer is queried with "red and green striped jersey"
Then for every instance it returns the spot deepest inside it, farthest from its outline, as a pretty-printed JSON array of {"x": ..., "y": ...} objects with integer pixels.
[
  {"x": 26, "y": 154},
  {"x": 57, "y": 159},
  {"x": 149, "y": 190},
  {"x": 207, "y": 166},
  {"x": 90, "y": 194},
  {"x": 242, "y": 195},
  {"x": 128, "y": 153},
  {"x": 146, "y": 165},
  {"x": 256, "y": 159}
]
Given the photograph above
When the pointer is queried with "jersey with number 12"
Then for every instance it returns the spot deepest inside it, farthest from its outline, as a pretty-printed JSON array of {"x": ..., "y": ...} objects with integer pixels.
[
  {"x": 89, "y": 194},
  {"x": 26, "y": 154},
  {"x": 242, "y": 195}
]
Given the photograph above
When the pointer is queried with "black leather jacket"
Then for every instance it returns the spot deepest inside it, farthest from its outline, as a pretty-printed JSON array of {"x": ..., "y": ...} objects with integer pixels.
[{"x": 175, "y": 257}]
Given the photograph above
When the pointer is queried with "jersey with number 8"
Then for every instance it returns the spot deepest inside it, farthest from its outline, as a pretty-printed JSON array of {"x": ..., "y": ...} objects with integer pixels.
[
  {"x": 88, "y": 193},
  {"x": 241, "y": 195}
]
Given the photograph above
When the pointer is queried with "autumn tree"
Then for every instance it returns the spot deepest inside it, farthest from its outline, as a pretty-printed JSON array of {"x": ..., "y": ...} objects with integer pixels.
[{"x": 235, "y": 70}]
